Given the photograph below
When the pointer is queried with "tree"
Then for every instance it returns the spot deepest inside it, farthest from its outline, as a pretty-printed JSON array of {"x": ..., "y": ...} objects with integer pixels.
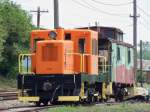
[
  {"x": 17, "y": 23},
  {"x": 146, "y": 51},
  {"x": 3, "y": 34}
]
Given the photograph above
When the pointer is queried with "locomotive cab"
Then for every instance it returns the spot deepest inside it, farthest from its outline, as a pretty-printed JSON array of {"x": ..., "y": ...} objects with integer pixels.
[{"x": 76, "y": 49}]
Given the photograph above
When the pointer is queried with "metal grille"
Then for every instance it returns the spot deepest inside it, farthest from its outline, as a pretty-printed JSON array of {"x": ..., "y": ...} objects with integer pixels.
[{"x": 49, "y": 52}]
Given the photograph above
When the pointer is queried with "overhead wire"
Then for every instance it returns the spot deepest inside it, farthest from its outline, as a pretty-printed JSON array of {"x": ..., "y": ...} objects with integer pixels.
[
  {"x": 23, "y": 1},
  {"x": 95, "y": 8},
  {"x": 24, "y": 4},
  {"x": 91, "y": 7},
  {"x": 147, "y": 27},
  {"x": 146, "y": 21},
  {"x": 144, "y": 12},
  {"x": 104, "y": 3}
]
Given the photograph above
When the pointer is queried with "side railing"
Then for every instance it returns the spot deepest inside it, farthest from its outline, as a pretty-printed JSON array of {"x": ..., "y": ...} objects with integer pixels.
[
  {"x": 103, "y": 65},
  {"x": 82, "y": 66},
  {"x": 24, "y": 61}
]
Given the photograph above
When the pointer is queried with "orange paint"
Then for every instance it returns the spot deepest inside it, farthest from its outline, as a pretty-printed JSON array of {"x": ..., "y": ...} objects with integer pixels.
[{"x": 63, "y": 56}]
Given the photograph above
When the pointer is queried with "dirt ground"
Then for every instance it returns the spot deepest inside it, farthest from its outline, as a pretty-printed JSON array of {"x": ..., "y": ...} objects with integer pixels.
[{"x": 10, "y": 104}]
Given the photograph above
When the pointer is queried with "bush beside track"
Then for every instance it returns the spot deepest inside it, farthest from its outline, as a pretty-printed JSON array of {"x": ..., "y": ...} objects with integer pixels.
[{"x": 7, "y": 84}]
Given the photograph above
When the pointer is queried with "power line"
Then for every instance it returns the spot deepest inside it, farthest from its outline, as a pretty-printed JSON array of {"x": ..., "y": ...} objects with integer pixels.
[
  {"x": 103, "y": 3},
  {"x": 22, "y": 1},
  {"x": 88, "y": 6},
  {"x": 144, "y": 12},
  {"x": 146, "y": 27},
  {"x": 95, "y": 8},
  {"x": 129, "y": 25},
  {"x": 146, "y": 21}
]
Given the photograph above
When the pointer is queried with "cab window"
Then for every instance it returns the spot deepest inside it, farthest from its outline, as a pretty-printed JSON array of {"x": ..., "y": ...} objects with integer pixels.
[
  {"x": 129, "y": 56},
  {"x": 35, "y": 41},
  {"x": 118, "y": 54},
  {"x": 68, "y": 36},
  {"x": 81, "y": 44}
]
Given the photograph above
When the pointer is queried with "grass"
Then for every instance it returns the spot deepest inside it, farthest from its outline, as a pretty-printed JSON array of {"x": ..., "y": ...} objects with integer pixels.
[
  {"x": 146, "y": 85},
  {"x": 124, "y": 107},
  {"x": 7, "y": 84}
]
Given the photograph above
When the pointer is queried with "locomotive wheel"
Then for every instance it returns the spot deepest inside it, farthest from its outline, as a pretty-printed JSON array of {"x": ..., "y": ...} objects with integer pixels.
[
  {"x": 91, "y": 99},
  {"x": 54, "y": 102},
  {"x": 38, "y": 103},
  {"x": 45, "y": 103}
]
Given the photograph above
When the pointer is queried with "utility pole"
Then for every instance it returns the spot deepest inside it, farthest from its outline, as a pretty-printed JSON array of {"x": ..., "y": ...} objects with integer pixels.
[
  {"x": 135, "y": 16},
  {"x": 39, "y": 11},
  {"x": 56, "y": 14},
  {"x": 141, "y": 62}
]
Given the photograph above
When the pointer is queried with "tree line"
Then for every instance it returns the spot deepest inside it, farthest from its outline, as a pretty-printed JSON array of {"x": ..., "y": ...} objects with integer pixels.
[
  {"x": 15, "y": 27},
  {"x": 145, "y": 50}
]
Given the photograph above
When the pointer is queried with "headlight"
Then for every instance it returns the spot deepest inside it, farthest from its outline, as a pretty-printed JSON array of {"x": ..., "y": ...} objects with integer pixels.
[{"x": 53, "y": 35}]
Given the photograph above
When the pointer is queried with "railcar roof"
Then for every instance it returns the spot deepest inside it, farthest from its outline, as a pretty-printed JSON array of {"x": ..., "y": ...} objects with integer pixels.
[
  {"x": 118, "y": 42},
  {"x": 102, "y": 27}
]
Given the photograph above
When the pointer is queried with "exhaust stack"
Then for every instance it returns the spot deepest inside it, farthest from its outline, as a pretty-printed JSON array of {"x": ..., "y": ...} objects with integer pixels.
[{"x": 56, "y": 14}]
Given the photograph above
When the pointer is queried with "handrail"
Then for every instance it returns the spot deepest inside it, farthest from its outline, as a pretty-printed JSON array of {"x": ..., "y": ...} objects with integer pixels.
[
  {"x": 20, "y": 59},
  {"x": 82, "y": 59}
]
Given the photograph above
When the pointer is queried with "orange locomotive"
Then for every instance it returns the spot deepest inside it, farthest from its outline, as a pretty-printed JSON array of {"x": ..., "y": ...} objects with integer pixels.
[
  {"x": 62, "y": 66},
  {"x": 62, "y": 54}
]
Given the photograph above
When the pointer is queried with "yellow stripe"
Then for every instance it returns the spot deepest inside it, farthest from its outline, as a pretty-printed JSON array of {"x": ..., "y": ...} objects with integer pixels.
[
  {"x": 109, "y": 89},
  {"x": 104, "y": 90},
  {"x": 81, "y": 64},
  {"x": 68, "y": 98},
  {"x": 82, "y": 90},
  {"x": 28, "y": 99}
]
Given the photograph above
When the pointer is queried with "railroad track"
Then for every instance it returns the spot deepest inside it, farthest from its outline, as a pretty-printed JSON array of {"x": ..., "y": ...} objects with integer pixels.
[
  {"x": 12, "y": 95},
  {"x": 30, "y": 108},
  {"x": 33, "y": 108},
  {"x": 8, "y": 95}
]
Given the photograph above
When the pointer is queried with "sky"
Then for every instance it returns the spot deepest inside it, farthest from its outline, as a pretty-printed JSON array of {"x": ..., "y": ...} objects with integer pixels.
[{"x": 81, "y": 13}]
